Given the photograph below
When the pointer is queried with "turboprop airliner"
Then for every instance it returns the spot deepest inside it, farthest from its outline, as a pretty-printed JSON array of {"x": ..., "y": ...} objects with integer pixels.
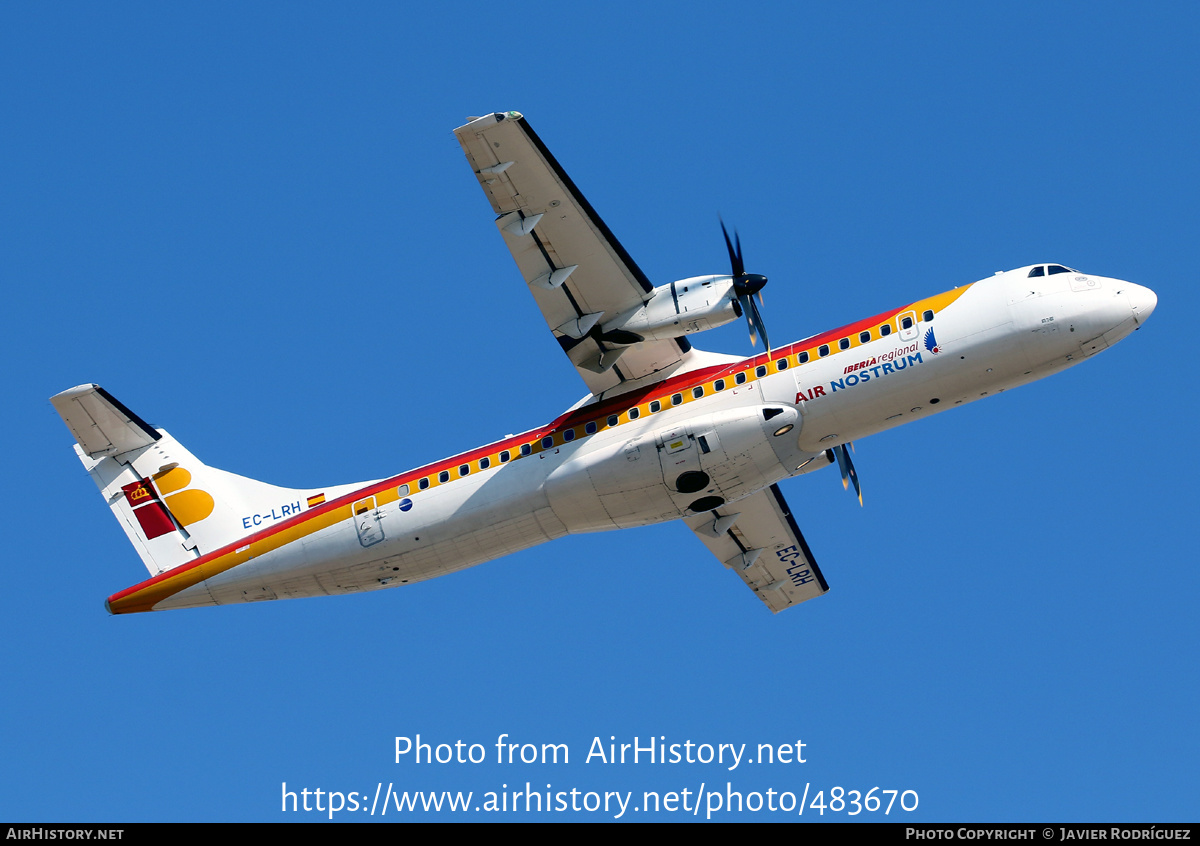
[{"x": 667, "y": 432}]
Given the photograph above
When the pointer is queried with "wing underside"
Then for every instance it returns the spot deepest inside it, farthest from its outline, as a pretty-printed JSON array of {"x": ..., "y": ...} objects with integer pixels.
[
  {"x": 577, "y": 271},
  {"x": 758, "y": 539}
]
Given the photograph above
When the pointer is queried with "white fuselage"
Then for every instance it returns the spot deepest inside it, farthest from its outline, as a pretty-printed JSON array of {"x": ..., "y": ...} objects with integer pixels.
[{"x": 752, "y": 425}]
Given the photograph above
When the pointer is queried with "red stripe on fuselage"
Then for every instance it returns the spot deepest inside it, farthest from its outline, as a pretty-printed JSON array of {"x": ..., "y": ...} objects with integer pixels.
[{"x": 599, "y": 412}]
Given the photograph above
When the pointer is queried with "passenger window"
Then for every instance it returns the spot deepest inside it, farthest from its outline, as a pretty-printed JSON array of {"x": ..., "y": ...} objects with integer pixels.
[
  {"x": 760, "y": 371},
  {"x": 740, "y": 379},
  {"x": 526, "y": 449},
  {"x": 864, "y": 337},
  {"x": 698, "y": 392},
  {"x": 402, "y": 490},
  {"x": 676, "y": 399},
  {"x": 569, "y": 435},
  {"x": 823, "y": 350},
  {"x": 885, "y": 330},
  {"x": 844, "y": 344},
  {"x": 485, "y": 463},
  {"x": 635, "y": 413},
  {"x": 655, "y": 406},
  {"x": 803, "y": 357},
  {"x": 424, "y": 483},
  {"x": 464, "y": 469},
  {"x": 547, "y": 442},
  {"x": 719, "y": 385},
  {"x": 927, "y": 315},
  {"x": 781, "y": 364},
  {"x": 505, "y": 456},
  {"x": 444, "y": 476},
  {"x": 1038, "y": 271},
  {"x": 613, "y": 420},
  {"x": 590, "y": 428},
  {"x": 906, "y": 322}
]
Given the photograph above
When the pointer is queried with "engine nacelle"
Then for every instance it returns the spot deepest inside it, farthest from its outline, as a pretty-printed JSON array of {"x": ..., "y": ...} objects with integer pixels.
[{"x": 681, "y": 308}]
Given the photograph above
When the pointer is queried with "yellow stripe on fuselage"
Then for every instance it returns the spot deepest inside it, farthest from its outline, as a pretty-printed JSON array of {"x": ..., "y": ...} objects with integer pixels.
[{"x": 144, "y": 596}]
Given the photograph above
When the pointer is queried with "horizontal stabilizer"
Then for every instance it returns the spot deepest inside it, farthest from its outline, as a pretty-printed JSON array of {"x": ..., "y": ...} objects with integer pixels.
[{"x": 100, "y": 423}]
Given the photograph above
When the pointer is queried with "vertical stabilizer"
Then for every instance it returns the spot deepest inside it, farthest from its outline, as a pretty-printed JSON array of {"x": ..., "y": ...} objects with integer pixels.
[{"x": 172, "y": 506}]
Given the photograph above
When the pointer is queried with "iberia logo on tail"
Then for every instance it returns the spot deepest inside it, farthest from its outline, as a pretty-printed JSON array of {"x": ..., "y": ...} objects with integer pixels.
[{"x": 154, "y": 512}]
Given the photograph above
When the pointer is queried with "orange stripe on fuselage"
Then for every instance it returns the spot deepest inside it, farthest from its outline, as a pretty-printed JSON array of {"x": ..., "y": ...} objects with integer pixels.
[{"x": 145, "y": 595}]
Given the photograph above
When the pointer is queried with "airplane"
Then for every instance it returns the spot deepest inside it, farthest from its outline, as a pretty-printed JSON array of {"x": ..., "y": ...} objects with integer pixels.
[{"x": 667, "y": 431}]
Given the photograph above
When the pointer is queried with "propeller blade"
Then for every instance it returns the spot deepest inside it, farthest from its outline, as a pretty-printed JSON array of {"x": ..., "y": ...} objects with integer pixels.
[
  {"x": 735, "y": 258},
  {"x": 853, "y": 474},
  {"x": 745, "y": 286},
  {"x": 840, "y": 454},
  {"x": 758, "y": 322},
  {"x": 846, "y": 466},
  {"x": 747, "y": 308}
]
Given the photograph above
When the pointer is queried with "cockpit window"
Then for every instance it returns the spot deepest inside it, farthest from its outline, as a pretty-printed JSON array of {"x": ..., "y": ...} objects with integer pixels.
[
  {"x": 1056, "y": 268},
  {"x": 1040, "y": 270}
]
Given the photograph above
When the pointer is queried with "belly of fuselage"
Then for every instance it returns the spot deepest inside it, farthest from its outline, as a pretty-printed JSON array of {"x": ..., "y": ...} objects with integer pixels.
[{"x": 431, "y": 534}]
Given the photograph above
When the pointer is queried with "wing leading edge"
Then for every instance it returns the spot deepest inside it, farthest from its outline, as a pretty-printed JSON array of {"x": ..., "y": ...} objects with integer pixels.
[
  {"x": 758, "y": 539},
  {"x": 577, "y": 271}
]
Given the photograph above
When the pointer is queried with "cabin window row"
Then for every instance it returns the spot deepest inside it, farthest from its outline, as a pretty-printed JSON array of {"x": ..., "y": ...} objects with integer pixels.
[
  {"x": 864, "y": 337},
  {"x": 463, "y": 470},
  {"x": 591, "y": 427}
]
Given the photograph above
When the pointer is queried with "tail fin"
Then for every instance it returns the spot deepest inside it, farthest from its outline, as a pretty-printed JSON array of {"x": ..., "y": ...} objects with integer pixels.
[{"x": 173, "y": 507}]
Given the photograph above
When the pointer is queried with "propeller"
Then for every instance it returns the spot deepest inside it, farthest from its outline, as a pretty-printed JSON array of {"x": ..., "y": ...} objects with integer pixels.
[
  {"x": 745, "y": 286},
  {"x": 847, "y": 467}
]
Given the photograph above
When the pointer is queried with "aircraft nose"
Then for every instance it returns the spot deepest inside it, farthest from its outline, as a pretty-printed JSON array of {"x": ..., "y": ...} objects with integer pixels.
[{"x": 1142, "y": 301}]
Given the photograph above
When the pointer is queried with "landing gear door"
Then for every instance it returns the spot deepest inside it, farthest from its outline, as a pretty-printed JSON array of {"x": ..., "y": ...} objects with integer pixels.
[
  {"x": 367, "y": 521},
  {"x": 680, "y": 460}
]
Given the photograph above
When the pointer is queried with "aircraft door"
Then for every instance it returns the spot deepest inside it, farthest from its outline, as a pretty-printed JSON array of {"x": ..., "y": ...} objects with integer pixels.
[
  {"x": 367, "y": 521},
  {"x": 908, "y": 326}
]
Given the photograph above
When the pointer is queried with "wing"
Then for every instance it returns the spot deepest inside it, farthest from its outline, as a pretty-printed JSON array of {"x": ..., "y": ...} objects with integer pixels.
[
  {"x": 578, "y": 273},
  {"x": 758, "y": 538}
]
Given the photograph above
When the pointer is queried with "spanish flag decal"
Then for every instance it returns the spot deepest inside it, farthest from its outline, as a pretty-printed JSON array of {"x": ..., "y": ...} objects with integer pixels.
[{"x": 314, "y": 501}]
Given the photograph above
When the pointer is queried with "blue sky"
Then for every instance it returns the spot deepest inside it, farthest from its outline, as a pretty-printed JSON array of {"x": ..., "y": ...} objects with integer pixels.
[{"x": 254, "y": 227}]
